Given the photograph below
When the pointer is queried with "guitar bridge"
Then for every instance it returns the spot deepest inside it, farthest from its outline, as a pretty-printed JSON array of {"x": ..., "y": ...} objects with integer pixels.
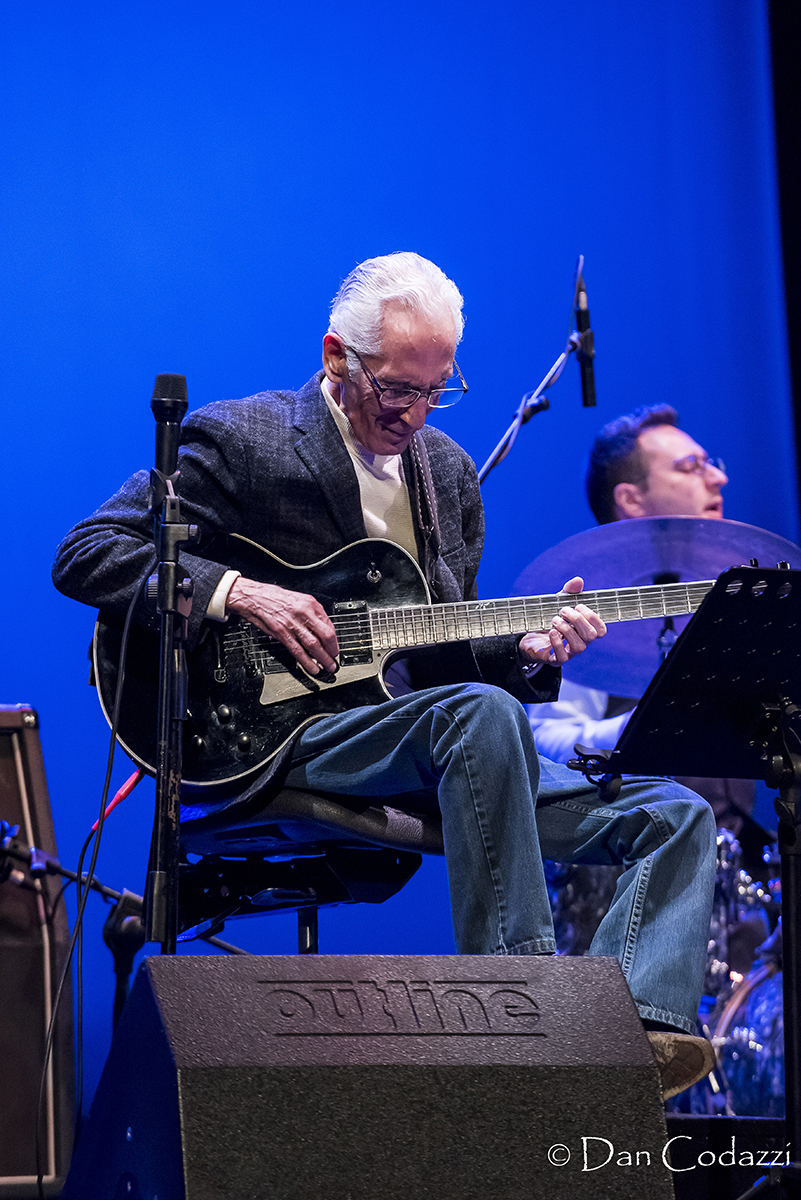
[{"x": 355, "y": 641}]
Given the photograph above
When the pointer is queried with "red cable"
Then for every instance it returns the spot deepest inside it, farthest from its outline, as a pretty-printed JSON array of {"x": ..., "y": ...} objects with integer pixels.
[{"x": 124, "y": 791}]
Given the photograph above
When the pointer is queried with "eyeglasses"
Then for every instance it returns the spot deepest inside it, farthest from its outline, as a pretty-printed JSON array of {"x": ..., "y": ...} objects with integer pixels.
[
  {"x": 395, "y": 397},
  {"x": 698, "y": 464}
]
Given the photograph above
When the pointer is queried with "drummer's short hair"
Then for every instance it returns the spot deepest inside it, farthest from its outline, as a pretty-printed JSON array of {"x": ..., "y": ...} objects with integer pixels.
[{"x": 616, "y": 457}]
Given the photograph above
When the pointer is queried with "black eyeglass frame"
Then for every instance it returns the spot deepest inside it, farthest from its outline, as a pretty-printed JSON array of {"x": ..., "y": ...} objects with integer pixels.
[{"x": 379, "y": 388}]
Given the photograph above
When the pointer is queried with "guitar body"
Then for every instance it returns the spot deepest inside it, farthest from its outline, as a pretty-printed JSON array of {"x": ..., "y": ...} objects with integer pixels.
[{"x": 246, "y": 694}]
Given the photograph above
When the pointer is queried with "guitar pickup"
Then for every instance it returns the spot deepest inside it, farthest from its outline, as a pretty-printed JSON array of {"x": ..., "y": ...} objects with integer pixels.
[{"x": 355, "y": 640}]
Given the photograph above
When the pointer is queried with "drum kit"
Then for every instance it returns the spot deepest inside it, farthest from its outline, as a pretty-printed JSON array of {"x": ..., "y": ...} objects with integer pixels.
[{"x": 741, "y": 1011}]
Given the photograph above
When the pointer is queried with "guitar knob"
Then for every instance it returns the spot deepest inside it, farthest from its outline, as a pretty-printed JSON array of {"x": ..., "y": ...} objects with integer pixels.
[
  {"x": 152, "y": 592},
  {"x": 243, "y": 741},
  {"x": 197, "y": 743},
  {"x": 223, "y": 714}
]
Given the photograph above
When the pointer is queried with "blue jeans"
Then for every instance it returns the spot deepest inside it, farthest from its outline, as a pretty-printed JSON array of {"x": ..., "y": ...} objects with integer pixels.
[{"x": 469, "y": 749}]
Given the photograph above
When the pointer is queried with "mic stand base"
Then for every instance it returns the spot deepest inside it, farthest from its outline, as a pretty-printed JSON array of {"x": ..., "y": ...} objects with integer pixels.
[{"x": 124, "y": 935}]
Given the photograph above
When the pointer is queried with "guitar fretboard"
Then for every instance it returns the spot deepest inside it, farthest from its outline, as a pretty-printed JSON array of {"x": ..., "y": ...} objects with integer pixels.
[{"x": 422, "y": 625}]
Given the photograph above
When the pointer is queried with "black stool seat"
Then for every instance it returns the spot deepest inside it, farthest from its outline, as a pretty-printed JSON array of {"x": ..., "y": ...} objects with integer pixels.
[{"x": 298, "y": 822}]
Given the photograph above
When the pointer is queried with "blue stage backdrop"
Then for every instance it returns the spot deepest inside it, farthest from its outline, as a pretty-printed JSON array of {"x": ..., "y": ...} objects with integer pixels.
[{"x": 185, "y": 185}]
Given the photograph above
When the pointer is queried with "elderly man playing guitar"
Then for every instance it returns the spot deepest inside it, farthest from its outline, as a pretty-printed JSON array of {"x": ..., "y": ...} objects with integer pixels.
[{"x": 347, "y": 458}]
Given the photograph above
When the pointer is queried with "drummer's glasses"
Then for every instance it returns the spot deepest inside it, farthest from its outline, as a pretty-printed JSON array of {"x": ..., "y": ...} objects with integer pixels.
[
  {"x": 698, "y": 464},
  {"x": 396, "y": 397}
]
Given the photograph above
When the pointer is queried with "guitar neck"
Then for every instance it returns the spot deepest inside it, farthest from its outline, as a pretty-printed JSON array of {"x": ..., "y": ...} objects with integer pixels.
[{"x": 424, "y": 625}]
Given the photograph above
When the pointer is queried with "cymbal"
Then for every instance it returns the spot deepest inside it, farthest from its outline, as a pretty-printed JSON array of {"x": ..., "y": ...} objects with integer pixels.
[{"x": 631, "y": 554}]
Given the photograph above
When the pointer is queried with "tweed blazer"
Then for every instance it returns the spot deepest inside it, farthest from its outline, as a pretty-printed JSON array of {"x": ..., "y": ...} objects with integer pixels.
[{"x": 274, "y": 468}]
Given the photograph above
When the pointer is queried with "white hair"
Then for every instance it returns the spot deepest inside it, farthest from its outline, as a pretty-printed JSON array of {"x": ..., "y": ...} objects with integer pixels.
[{"x": 402, "y": 278}]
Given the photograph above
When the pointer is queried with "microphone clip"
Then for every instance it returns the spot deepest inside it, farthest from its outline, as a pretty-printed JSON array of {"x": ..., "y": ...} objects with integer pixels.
[
  {"x": 585, "y": 347},
  {"x": 162, "y": 487}
]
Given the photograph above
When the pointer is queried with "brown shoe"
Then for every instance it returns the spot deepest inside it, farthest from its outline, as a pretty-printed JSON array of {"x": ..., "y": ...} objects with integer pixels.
[{"x": 682, "y": 1060}]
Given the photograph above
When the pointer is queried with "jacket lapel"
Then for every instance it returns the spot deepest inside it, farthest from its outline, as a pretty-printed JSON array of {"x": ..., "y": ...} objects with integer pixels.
[{"x": 323, "y": 452}]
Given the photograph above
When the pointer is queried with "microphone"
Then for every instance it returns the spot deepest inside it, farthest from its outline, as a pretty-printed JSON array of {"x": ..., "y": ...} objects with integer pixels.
[
  {"x": 586, "y": 350},
  {"x": 169, "y": 405}
]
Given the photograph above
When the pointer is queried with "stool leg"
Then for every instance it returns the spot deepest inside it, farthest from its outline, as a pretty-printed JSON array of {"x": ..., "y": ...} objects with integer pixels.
[{"x": 307, "y": 930}]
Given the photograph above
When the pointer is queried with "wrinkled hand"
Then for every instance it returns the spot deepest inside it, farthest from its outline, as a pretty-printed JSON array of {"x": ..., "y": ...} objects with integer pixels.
[
  {"x": 295, "y": 619},
  {"x": 570, "y": 633}
]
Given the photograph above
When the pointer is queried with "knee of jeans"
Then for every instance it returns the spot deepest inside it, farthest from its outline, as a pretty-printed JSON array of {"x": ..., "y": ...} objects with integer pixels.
[
  {"x": 687, "y": 811},
  {"x": 486, "y": 716},
  {"x": 490, "y": 702}
]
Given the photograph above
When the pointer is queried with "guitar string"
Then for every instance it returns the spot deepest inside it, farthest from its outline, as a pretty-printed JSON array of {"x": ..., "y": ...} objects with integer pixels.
[
  {"x": 391, "y": 636},
  {"x": 379, "y": 628},
  {"x": 476, "y": 613},
  {"x": 630, "y": 598}
]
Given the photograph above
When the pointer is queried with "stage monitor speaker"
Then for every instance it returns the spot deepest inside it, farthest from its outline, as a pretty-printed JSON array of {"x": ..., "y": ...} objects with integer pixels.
[
  {"x": 376, "y": 1078},
  {"x": 33, "y": 942}
]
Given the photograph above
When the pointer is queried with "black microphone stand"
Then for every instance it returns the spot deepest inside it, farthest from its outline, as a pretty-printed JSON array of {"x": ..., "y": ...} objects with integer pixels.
[
  {"x": 532, "y": 403},
  {"x": 172, "y": 593}
]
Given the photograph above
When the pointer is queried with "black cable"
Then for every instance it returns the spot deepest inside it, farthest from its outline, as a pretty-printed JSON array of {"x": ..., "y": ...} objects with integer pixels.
[
  {"x": 81, "y": 902},
  {"x": 59, "y": 898}
]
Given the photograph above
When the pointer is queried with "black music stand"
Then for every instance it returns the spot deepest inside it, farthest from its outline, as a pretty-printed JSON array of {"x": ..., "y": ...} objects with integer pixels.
[{"x": 726, "y": 703}]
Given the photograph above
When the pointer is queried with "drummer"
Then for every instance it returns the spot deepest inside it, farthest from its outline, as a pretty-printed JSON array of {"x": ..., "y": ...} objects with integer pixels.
[{"x": 640, "y": 465}]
